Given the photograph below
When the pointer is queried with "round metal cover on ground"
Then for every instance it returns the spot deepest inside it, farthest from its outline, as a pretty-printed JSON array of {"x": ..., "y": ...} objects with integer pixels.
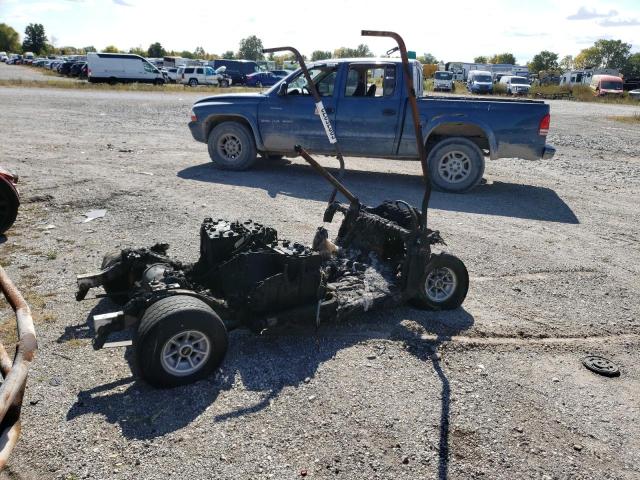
[{"x": 601, "y": 366}]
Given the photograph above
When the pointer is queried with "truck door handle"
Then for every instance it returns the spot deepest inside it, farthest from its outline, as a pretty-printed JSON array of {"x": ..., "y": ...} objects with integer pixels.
[
  {"x": 388, "y": 112},
  {"x": 330, "y": 109}
]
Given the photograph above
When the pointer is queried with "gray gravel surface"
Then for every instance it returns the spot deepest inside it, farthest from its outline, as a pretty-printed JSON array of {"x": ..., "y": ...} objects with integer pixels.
[
  {"x": 23, "y": 72},
  {"x": 494, "y": 390}
]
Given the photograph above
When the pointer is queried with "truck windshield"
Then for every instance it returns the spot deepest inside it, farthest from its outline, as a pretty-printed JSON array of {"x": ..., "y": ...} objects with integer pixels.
[
  {"x": 611, "y": 85},
  {"x": 482, "y": 78},
  {"x": 444, "y": 75},
  {"x": 519, "y": 81}
]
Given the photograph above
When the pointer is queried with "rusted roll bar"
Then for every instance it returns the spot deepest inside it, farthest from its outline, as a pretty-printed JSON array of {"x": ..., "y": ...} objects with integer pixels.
[
  {"x": 15, "y": 375},
  {"x": 328, "y": 128},
  {"x": 413, "y": 103}
]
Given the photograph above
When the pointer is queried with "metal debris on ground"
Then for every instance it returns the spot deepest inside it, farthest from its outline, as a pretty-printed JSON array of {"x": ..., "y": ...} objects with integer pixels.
[
  {"x": 601, "y": 366},
  {"x": 93, "y": 214}
]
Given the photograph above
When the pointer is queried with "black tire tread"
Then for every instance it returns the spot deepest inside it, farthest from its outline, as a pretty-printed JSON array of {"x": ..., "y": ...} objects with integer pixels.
[{"x": 458, "y": 141}]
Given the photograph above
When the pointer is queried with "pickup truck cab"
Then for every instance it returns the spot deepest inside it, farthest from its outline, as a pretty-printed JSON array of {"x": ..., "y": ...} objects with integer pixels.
[{"x": 367, "y": 104}]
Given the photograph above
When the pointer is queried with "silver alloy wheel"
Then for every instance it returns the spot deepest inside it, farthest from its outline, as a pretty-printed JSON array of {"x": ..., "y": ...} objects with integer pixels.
[
  {"x": 230, "y": 147},
  {"x": 440, "y": 285},
  {"x": 185, "y": 353},
  {"x": 454, "y": 166}
]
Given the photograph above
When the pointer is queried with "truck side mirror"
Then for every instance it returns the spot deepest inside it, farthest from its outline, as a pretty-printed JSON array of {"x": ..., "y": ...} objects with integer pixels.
[{"x": 282, "y": 89}]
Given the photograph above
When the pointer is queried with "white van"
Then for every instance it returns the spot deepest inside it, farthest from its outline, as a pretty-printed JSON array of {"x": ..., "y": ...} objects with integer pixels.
[
  {"x": 480, "y": 81},
  {"x": 121, "y": 67},
  {"x": 515, "y": 85}
]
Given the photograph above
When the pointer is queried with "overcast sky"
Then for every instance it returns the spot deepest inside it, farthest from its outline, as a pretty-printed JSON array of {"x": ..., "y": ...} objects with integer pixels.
[{"x": 451, "y": 30}]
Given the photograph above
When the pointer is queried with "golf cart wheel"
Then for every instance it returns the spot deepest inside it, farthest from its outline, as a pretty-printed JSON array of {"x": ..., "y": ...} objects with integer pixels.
[
  {"x": 456, "y": 165},
  {"x": 231, "y": 146},
  {"x": 444, "y": 284},
  {"x": 180, "y": 340},
  {"x": 9, "y": 204},
  {"x": 193, "y": 82},
  {"x": 115, "y": 287}
]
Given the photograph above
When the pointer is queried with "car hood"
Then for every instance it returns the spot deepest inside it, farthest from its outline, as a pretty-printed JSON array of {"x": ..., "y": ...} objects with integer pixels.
[{"x": 231, "y": 98}]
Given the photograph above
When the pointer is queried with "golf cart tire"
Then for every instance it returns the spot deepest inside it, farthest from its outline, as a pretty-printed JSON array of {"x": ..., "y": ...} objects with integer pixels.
[
  {"x": 242, "y": 140},
  {"x": 12, "y": 202},
  {"x": 165, "y": 320},
  {"x": 448, "y": 264},
  {"x": 468, "y": 150}
]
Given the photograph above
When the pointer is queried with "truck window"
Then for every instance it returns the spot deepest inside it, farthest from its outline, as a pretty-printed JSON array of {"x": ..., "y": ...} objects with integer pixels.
[
  {"x": 199, "y": 71},
  {"x": 149, "y": 68},
  {"x": 188, "y": 70},
  {"x": 370, "y": 81},
  {"x": 324, "y": 78},
  {"x": 209, "y": 71}
]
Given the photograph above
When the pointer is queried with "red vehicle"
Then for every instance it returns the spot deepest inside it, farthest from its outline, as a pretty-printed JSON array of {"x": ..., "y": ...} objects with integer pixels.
[
  {"x": 9, "y": 199},
  {"x": 606, "y": 85}
]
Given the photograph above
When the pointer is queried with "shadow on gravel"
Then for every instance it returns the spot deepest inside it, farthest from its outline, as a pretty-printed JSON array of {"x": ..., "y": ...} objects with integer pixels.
[
  {"x": 498, "y": 198},
  {"x": 267, "y": 364}
]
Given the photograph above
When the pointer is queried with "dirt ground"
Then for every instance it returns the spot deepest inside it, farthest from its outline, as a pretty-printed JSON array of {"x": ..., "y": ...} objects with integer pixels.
[{"x": 494, "y": 390}]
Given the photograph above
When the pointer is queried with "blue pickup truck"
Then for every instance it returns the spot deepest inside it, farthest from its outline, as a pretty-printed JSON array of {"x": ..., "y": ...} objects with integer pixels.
[{"x": 366, "y": 101}]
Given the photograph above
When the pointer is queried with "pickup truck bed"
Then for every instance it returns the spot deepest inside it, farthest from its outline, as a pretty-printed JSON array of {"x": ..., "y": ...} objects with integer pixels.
[{"x": 367, "y": 104}]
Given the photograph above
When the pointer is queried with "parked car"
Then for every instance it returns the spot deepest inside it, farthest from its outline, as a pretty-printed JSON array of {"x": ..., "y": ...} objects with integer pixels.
[
  {"x": 606, "y": 85},
  {"x": 76, "y": 69},
  {"x": 194, "y": 76},
  {"x": 443, "y": 80},
  {"x": 236, "y": 69},
  {"x": 457, "y": 134},
  {"x": 65, "y": 68},
  {"x": 515, "y": 85},
  {"x": 28, "y": 58},
  {"x": 9, "y": 199},
  {"x": 171, "y": 73},
  {"x": 3, "y": 56},
  {"x": 635, "y": 94},
  {"x": 122, "y": 67},
  {"x": 262, "y": 79},
  {"x": 282, "y": 73},
  {"x": 15, "y": 60},
  {"x": 480, "y": 81}
]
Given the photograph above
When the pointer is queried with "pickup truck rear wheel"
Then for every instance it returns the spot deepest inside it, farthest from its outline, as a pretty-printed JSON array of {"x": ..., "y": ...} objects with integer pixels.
[
  {"x": 231, "y": 146},
  {"x": 456, "y": 165}
]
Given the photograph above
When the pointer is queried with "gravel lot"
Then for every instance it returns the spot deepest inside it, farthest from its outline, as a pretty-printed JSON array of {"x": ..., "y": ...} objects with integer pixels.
[{"x": 495, "y": 390}]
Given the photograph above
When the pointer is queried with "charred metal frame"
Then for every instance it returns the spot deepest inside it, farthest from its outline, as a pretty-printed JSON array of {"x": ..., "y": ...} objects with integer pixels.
[{"x": 14, "y": 374}]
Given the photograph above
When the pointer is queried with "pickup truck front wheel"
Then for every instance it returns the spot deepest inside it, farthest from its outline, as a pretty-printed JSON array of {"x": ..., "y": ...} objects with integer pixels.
[
  {"x": 456, "y": 165},
  {"x": 231, "y": 146}
]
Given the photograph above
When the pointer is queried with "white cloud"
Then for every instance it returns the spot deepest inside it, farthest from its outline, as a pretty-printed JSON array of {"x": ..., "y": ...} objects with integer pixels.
[
  {"x": 632, "y": 22},
  {"x": 584, "y": 13}
]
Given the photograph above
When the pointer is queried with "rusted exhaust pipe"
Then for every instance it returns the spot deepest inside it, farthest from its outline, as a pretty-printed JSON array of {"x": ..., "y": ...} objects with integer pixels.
[{"x": 15, "y": 375}]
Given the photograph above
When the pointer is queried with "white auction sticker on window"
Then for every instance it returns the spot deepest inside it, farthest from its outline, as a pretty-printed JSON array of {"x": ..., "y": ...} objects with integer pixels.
[{"x": 331, "y": 135}]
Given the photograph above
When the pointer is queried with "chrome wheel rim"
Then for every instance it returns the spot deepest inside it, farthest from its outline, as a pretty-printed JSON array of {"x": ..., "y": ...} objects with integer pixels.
[
  {"x": 440, "y": 284},
  {"x": 230, "y": 147},
  {"x": 185, "y": 353},
  {"x": 454, "y": 166}
]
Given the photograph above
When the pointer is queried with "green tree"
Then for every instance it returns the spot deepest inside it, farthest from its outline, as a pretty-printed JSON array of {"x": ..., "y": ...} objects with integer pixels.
[
  {"x": 566, "y": 63},
  {"x": 251, "y": 48},
  {"x": 632, "y": 67},
  {"x": 199, "y": 52},
  {"x": 545, "y": 60},
  {"x": 138, "y": 51},
  {"x": 588, "y": 58},
  {"x": 427, "y": 58},
  {"x": 156, "y": 50},
  {"x": 35, "y": 39},
  {"x": 186, "y": 54},
  {"x": 481, "y": 59},
  {"x": 229, "y": 55},
  {"x": 320, "y": 55},
  {"x": 508, "y": 58},
  {"x": 614, "y": 53},
  {"x": 90, "y": 48},
  {"x": 111, "y": 49},
  {"x": 361, "y": 50},
  {"x": 9, "y": 39}
]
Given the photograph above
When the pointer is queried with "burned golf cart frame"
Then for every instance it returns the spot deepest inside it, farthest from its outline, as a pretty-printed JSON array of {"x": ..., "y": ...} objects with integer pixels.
[
  {"x": 247, "y": 277},
  {"x": 14, "y": 373}
]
